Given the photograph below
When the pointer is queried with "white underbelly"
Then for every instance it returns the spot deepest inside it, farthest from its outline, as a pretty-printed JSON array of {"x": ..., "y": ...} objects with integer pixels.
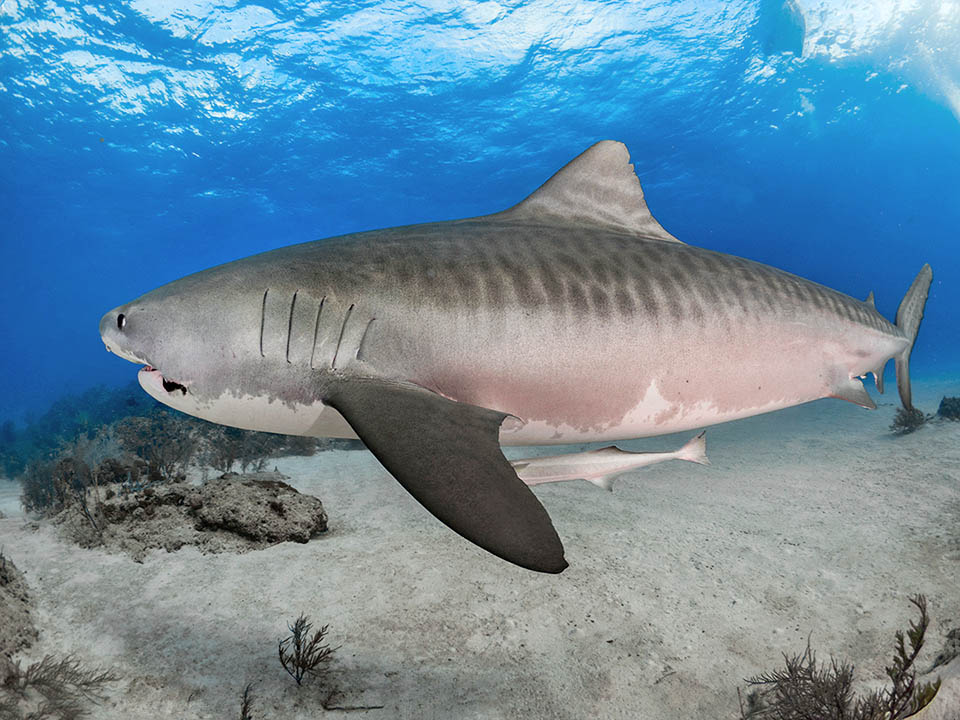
[
  {"x": 254, "y": 412},
  {"x": 651, "y": 416}
]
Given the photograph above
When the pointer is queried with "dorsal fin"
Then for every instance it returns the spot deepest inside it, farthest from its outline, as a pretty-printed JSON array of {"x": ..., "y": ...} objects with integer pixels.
[
  {"x": 869, "y": 301},
  {"x": 598, "y": 187}
]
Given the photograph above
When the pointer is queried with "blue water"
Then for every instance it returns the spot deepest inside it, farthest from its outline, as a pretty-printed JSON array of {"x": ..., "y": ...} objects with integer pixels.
[{"x": 141, "y": 140}]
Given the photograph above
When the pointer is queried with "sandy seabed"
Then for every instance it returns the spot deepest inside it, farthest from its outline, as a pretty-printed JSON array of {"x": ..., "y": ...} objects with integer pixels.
[{"x": 814, "y": 521}]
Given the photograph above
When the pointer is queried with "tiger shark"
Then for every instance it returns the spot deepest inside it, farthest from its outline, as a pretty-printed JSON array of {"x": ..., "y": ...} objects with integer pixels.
[{"x": 571, "y": 317}]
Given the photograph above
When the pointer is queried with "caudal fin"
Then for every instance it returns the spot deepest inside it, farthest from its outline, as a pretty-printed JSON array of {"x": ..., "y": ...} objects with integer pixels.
[
  {"x": 695, "y": 450},
  {"x": 909, "y": 315}
]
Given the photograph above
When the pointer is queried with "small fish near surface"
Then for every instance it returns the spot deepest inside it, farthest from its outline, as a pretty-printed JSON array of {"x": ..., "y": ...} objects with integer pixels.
[{"x": 571, "y": 317}]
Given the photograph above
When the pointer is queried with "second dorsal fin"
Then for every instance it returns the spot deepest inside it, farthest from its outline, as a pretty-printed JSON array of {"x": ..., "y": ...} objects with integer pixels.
[{"x": 598, "y": 187}]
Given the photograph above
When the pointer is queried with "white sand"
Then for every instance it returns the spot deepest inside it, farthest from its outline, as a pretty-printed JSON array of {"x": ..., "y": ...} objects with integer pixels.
[
  {"x": 9, "y": 498},
  {"x": 685, "y": 580}
]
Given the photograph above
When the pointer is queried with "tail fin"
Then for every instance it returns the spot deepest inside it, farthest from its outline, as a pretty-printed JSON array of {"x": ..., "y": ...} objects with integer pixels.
[
  {"x": 695, "y": 450},
  {"x": 909, "y": 315}
]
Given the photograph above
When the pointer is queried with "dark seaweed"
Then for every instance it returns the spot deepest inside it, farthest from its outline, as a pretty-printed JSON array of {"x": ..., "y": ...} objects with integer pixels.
[
  {"x": 51, "y": 689},
  {"x": 807, "y": 690},
  {"x": 906, "y": 421},
  {"x": 246, "y": 703},
  {"x": 302, "y": 653},
  {"x": 165, "y": 441}
]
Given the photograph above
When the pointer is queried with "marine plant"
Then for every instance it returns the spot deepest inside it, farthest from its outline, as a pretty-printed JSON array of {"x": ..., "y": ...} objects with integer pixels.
[
  {"x": 165, "y": 440},
  {"x": 304, "y": 446},
  {"x": 227, "y": 446},
  {"x": 11, "y": 462},
  {"x": 806, "y": 689},
  {"x": 302, "y": 653},
  {"x": 129, "y": 472},
  {"x": 64, "y": 421},
  {"x": 74, "y": 479},
  {"x": 906, "y": 421},
  {"x": 48, "y": 486},
  {"x": 51, "y": 689},
  {"x": 36, "y": 486},
  {"x": 221, "y": 448},
  {"x": 246, "y": 703}
]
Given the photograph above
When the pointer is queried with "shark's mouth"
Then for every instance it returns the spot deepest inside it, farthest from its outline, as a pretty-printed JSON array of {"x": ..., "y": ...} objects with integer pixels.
[{"x": 157, "y": 379}]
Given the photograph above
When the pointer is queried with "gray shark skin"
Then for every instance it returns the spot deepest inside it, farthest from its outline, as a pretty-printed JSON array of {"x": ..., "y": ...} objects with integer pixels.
[{"x": 571, "y": 317}]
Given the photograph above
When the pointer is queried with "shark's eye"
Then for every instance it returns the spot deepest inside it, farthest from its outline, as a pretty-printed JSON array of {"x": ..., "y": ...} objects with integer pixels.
[{"x": 121, "y": 321}]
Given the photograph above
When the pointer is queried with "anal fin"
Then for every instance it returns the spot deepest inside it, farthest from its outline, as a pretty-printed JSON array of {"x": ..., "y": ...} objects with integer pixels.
[
  {"x": 604, "y": 482},
  {"x": 447, "y": 455}
]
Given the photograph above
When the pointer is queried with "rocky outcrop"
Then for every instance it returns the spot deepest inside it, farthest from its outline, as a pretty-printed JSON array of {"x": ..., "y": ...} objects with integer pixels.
[
  {"x": 231, "y": 513},
  {"x": 16, "y": 624},
  {"x": 259, "y": 507}
]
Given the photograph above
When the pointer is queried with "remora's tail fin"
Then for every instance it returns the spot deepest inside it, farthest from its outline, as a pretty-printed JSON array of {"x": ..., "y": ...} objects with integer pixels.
[
  {"x": 695, "y": 450},
  {"x": 909, "y": 315}
]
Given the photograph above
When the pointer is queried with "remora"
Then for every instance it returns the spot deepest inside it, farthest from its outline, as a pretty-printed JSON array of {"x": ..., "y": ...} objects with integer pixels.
[{"x": 570, "y": 317}]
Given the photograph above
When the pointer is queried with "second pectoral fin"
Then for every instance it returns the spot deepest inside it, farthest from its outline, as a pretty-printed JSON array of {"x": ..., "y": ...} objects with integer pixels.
[{"x": 447, "y": 455}]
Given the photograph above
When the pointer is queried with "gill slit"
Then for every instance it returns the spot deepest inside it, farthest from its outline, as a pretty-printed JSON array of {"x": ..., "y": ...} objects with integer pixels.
[
  {"x": 343, "y": 328},
  {"x": 316, "y": 328},
  {"x": 263, "y": 318},
  {"x": 293, "y": 304},
  {"x": 363, "y": 338}
]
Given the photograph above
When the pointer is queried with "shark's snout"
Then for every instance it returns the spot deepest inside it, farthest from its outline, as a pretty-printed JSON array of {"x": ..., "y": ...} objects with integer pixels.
[
  {"x": 114, "y": 327},
  {"x": 117, "y": 333},
  {"x": 106, "y": 321}
]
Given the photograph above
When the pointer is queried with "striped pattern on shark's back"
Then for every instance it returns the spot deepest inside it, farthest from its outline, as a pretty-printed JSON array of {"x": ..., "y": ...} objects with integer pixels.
[{"x": 592, "y": 273}]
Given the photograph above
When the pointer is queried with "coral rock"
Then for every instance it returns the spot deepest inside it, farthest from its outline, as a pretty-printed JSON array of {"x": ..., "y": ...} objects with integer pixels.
[
  {"x": 16, "y": 626},
  {"x": 260, "y": 507}
]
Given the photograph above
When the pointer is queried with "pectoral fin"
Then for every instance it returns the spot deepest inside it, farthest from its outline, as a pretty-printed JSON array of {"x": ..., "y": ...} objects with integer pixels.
[{"x": 447, "y": 455}]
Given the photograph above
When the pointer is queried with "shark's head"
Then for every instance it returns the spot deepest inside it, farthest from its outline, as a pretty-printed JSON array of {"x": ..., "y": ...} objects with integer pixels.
[
  {"x": 199, "y": 342},
  {"x": 235, "y": 344},
  {"x": 179, "y": 332},
  {"x": 136, "y": 332}
]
